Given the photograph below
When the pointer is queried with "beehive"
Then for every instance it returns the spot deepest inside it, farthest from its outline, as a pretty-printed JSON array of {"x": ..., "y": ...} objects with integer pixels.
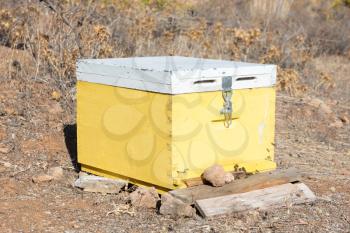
[{"x": 158, "y": 121}]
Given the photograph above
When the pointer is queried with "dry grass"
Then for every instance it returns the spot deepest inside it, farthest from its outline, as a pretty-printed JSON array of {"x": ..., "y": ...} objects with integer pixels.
[
  {"x": 284, "y": 32},
  {"x": 277, "y": 9}
]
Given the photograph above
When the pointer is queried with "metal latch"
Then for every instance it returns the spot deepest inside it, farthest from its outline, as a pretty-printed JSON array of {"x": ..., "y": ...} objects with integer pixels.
[{"x": 227, "y": 95}]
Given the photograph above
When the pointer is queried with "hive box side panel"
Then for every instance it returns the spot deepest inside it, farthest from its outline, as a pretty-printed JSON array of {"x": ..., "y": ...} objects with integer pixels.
[
  {"x": 200, "y": 138},
  {"x": 124, "y": 133}
]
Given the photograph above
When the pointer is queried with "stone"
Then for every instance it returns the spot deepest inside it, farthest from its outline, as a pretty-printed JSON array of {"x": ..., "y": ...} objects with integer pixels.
[
  {"x": 325, "y": 108},
  {"x": 55, "y": 108},
  {"x": 6, "y": 164},
  {"x": 315, "y": 102},
  {"x": 4, "y": 149},
  {"x": 229, "y": 177},
  {"x": 81, "y": 173},
  {"x": 337, "y": 124},
  {"x": 97, "y": 184},
  {"x": 42, "y": 178},
  {"x": 55, "y": 172},
  {"x": 143, "y": 197},
  {"x": 214, "y": 175},
  {"x": 3, "y": 134},
  {"x": 344, "y": 119},
  {"x": 175, "y": 207},
  {"x": 318, "y": 103},
  {"x": 10, "y": 111}
]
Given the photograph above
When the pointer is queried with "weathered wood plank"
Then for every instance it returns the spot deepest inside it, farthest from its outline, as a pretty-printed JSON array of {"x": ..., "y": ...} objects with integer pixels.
[
  {"x": 253, "y": 182},
  {"x": 193, "y": 182},
  {"x": 267, "y": 198}
]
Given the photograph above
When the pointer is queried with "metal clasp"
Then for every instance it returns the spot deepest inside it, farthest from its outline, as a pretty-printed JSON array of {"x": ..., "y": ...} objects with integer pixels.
[{"x": 227, "y": 96}]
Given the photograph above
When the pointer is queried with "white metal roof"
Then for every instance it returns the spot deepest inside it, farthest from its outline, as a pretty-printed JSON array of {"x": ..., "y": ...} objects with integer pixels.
[{"x": 174, "y": 74}]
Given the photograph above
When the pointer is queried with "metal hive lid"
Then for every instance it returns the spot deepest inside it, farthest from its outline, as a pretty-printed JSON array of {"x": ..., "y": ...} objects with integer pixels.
[{"x": 174, "y": 74}]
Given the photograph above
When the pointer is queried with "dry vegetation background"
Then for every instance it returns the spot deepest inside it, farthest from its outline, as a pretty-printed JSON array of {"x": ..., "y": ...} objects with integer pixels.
[
  {"x": 40, "y": 41},
  {"x": 284, "y": 32}
]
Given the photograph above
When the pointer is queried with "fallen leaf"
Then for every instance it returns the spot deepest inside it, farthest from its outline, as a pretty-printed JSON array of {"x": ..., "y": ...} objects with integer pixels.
[{"x": 56, "y": 95}]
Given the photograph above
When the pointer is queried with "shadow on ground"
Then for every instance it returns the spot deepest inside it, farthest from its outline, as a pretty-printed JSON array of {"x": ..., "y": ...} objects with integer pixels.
[{"x": 70, "y": 138}]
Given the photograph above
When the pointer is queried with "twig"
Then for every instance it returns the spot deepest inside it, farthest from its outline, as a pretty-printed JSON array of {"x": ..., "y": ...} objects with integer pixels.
[
  {"x": 65, "y": 21},
  {"x": 20, "y": 171},
  {"x": 124, "y": 209},
  {"x": 53, "y": 8}
]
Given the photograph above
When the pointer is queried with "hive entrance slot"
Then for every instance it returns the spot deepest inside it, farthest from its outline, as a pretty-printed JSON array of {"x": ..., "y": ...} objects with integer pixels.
[
  {"x": 204, "y": 81},
  {"x": 245, "y": 78}
]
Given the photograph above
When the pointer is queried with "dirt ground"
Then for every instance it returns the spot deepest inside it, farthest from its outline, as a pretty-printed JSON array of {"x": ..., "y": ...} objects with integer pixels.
[{"x": 35, "y": 130}]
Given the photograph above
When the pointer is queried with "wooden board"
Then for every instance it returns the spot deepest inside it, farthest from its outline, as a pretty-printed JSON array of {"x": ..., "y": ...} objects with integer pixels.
[
  {"x": 272, "y": 197},
  {"x": 257, "y": 181}
]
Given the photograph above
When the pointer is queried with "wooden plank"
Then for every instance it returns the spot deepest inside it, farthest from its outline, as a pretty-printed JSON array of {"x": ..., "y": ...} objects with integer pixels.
[
  {"x": 253, "y": 182},
  {"x": 267, "y": 198},
  {"x": 193, "y": 182}
]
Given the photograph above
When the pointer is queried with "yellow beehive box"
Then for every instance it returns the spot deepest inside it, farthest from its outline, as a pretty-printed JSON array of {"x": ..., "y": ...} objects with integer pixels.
[{"x": 158, "y": 121}]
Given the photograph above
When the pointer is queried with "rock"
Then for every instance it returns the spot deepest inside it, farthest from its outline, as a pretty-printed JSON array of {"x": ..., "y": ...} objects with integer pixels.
[
  {"x": 42, "y": 178},
  {"x": 216, "y": 176},
  {"x": 302, "y": 222},
  {"x": 175, "y": 207},
  {"x": 55, "y": 172},
  {"x": 91, "y": 183},
  {"x": 344, "y": 119},
  {"x": 325, "y": 108},
  {"x": 10, "y": 111},
  {"x": 315, "y": 102},
  {"x": 344, "y": 172},
  {"x": 333, "y": 189},
  {"x": 81, "y": 173},
  {"x": 55, "y": 108},
  {"x": 229, "y": 177},
  {"x": 318, "y": 103},
  {"x": 337, "y": 124},
  {"x": 143, "y": 197},
  {"x": 6, "y": 164},
  {"x": 3, "y": 134},
  {"x": 4, "y": 149}
]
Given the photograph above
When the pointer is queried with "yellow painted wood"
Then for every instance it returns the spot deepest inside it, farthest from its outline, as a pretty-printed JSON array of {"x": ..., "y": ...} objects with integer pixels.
[
  {"x": 158, "y": 140},
  {"x": 124, "y": 136},
  {"x": 200, "y": 138}
]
